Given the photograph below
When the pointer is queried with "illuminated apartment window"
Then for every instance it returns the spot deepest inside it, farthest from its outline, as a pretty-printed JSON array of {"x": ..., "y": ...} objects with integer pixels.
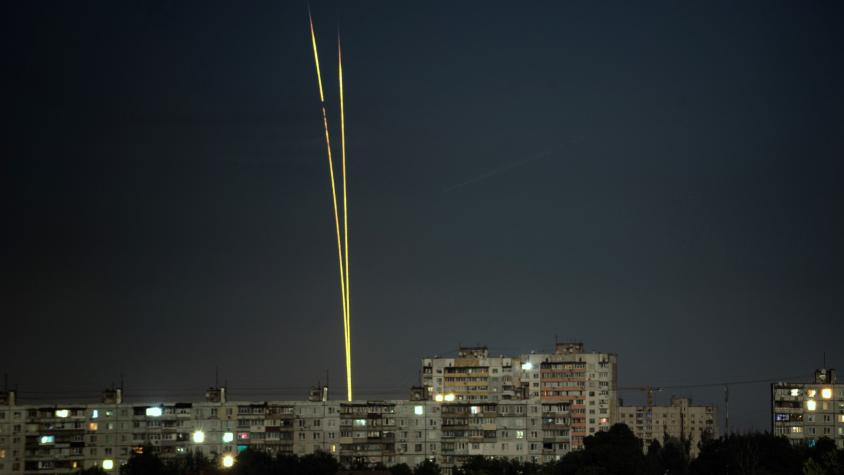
[
  {"x": 811, "y": 405},
  {"x": 811, "y": 393},
  {"x": 418, "y": 410},
  {"x": 796, "y": 429},
  {"x": 826, "y": 393}
]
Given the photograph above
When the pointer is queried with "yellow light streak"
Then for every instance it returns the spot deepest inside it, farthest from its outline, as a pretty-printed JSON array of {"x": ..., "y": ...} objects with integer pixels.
[
  {"x": 344, "y": 279},
  {"x": 348, "y": 324}
]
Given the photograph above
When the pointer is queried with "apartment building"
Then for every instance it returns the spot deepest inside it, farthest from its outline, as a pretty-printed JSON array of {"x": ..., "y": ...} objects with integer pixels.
[
  {"x": 805, "y": 412},
  {"x": 63, "y": 438},
  {"x": 681, "y": 420},
  {"x": 577, "y": 390},
  {"x": 471, "y": 376}
]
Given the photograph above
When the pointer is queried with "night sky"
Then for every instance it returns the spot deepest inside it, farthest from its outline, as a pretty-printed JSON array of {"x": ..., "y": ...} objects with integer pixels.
[{"x": 662, "y": 181}]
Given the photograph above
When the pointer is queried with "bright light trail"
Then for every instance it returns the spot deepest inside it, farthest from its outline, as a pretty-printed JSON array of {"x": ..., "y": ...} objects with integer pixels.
[
  {"x": 348, "y": 324},
  {"x": 344, "y": 279}
]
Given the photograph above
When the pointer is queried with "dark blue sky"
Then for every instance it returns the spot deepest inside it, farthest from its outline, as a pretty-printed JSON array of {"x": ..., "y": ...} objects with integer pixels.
[{"x": 659, "y": 180}]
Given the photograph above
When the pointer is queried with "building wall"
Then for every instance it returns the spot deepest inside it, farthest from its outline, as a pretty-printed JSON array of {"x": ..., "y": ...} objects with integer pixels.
[
  {"x": 805, "y": 412},
  {"x": 47, "y": 439},
  {"x": 679, "y": 420},
  {"x": 582, "y": 386}
]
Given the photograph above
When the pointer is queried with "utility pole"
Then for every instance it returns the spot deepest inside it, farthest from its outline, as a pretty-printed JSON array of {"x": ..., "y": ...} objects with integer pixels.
[{"x": 726, "y": 409}]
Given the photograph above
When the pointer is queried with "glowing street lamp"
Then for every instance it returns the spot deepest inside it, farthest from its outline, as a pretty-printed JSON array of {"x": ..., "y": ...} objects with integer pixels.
[{"x": 228, "y": 461}]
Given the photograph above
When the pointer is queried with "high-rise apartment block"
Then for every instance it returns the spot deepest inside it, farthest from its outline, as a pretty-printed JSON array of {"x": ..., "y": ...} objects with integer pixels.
[
  {"x": 577, "y": 390},
  {"x": 805, "y": 412}
]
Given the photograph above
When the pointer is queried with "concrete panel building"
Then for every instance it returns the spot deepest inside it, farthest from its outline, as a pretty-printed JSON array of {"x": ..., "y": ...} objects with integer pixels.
[
  {"x": 805, "y": 412},
  {"x": 64, "y": 438},
  {"x": 577, "y": 391},
  {"x": 681, "y": 420}
]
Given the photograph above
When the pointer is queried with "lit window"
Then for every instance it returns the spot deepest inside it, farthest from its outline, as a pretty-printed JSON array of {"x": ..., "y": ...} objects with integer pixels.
[
  {"x": 811, "y": 393},
  {"x": 95, "y": 414},
  {"x": 811, "y": 405},
  {"x": 795, "y": 392},
  {"x": 228, "y": 461},
  {"x": 228, "y": 437},
  {"x": 475, "y": 409},
  {"x": 108, "y": 464},
  {"x": 62, "y": 413},
  {"x": 449, "y": 397},
  {"x": 527, "y": 366},
  {"x": 362, "y": 422},
  {"x": 333, "y": 448},
  {"x": 520, "y": 434},
  {"x": 198, "y": 437},
  {"x": 826, "y": 393},
  {"x": 418, "y": 410},
  {"x": 93, "y": 426},
  {"x": 796, "y": 429},
  {"x": 243, "y": 436},
  {"x": 438, "y": 398},
  {"x": 46, "y": 439},
  {"x": 154, "y": 412}
]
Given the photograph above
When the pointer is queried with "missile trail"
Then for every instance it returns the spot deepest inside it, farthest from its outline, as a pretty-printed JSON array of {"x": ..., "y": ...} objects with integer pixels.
[
  {"x": 343, "y": 294},
  {"x": 345, "y": 222}
]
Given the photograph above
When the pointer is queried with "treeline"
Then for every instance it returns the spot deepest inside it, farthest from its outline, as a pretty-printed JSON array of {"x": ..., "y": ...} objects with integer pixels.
[{"x": 615, "y": 452}]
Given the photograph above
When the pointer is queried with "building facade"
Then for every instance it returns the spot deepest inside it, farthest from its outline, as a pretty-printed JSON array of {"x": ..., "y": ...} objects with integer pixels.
[
  {"x": 63, "y": 438},
  {"x": 805, "y": 412},
  {"x": 576, "y": 390},
  {"x": 680, "y": 420}
]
